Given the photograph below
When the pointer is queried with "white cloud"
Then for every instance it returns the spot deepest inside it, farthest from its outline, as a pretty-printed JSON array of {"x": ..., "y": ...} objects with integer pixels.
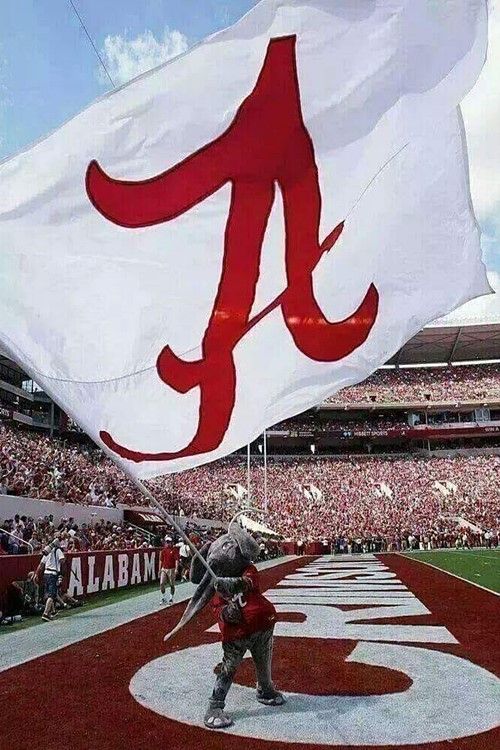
[
  {"x": 127, "y": 58},
  {"x": 481, "y": 110},
  {"x": 485, "y": 309}
]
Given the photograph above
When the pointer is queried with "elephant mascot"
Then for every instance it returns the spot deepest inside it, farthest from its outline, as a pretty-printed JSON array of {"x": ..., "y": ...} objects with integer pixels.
[{"x": 246, "y": 618}]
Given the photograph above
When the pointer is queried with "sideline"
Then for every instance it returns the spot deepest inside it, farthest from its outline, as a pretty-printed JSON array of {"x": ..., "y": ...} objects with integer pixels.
[
  {"x": 24, "y": 645},
  {"x": 448, "y": 573}
]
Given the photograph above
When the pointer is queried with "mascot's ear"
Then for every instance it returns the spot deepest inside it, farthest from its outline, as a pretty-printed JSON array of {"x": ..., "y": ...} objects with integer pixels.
[
  {"x": 197, "y": 568},
  {"x": 245, "y": 541}
]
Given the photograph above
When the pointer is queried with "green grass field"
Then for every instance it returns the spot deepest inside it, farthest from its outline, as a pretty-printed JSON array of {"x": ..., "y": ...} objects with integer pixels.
[{"x": 481, "y": 566}]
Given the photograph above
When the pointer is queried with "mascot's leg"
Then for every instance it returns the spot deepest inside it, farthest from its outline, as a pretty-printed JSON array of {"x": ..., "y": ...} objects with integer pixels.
[
  {"x": 261, "y": 649},
  {"x": 215, "y": 718}
]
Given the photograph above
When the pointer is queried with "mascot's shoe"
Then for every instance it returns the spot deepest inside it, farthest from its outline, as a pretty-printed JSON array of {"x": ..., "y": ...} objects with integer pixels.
[
  {"x": 215, "y": 718},
  {"x": 271, "y": 698}
]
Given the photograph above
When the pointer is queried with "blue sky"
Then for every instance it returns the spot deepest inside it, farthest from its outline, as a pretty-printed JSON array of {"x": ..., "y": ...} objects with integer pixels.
[{"x": 49, "y": 72}]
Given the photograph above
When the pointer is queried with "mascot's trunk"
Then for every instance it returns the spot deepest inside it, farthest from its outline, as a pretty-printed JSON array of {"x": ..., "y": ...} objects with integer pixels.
[{"x": 199, "y": 600}]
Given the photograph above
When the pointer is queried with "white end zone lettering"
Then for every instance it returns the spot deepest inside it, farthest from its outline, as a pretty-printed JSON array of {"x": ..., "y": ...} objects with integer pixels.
[
  {"x": 75, "y": 587},
  {"x": 449, "y": 697}
]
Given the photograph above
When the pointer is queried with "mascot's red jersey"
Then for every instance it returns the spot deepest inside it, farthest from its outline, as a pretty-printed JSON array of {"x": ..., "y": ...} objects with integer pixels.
[{"x": 257, "y": 612}]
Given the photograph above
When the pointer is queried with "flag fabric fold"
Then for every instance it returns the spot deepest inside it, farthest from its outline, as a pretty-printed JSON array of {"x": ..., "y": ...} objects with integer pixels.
[{"x": 233, "y": 237}]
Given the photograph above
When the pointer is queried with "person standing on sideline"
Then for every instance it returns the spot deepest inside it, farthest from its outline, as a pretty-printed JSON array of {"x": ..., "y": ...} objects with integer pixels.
[
  {"x": 169, "y": 563},
  {"x": 52, "y": 566},
  {"x": 184, "y": 561}
]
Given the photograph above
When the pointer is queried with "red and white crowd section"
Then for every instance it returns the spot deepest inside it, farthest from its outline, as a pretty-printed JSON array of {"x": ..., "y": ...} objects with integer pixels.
[
  {"x": 308, "y": 497},
  {"x": 435, "y": 384}
]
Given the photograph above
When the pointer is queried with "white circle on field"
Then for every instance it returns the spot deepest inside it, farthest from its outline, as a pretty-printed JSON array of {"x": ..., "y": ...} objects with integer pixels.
[{"x": 449, "y": 698}]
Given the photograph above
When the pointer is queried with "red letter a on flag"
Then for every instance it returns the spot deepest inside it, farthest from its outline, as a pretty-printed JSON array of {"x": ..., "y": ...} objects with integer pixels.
[{"x": 266, "y": 145}]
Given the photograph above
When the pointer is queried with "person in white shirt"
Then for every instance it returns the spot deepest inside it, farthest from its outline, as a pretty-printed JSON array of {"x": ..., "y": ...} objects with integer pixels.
[
  {"x": 52, "y": 566},
  {"x": 185, "y": 560}
]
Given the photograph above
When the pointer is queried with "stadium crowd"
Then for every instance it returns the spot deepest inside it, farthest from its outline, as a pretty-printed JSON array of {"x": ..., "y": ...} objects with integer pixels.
[
  {"x": 312, "y": 498},
  {"x": 414, "y": 385},
  {"x": 35, "y": 465},
  {"x": 38, "y": 533},
  {"x": 316, "y": 425},
  {"x": 388, "y": 497}
]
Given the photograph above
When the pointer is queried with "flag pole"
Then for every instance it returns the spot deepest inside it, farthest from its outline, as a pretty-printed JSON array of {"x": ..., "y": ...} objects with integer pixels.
[
  {"x": 265, "y": 471},
  {"x": 166, "y": 515}
]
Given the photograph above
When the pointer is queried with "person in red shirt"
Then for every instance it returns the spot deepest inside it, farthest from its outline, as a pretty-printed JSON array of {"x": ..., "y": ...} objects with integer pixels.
[{"x": 169, "y": 563}]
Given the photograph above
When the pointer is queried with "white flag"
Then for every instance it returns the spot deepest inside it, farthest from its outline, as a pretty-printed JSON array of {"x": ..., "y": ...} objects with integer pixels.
[{"x": 235, "y": 236}]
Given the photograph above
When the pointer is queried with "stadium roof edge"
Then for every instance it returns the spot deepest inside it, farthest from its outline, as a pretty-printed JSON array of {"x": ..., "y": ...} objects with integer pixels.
[{"x": 451, "y": 344}]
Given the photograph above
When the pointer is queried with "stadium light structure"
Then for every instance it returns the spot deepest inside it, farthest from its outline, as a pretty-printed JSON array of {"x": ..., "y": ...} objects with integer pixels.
[
  {"x": 265, "y": 471},
  {"x": 262, "y": 448},
  {"x": 248, "y": 474}
]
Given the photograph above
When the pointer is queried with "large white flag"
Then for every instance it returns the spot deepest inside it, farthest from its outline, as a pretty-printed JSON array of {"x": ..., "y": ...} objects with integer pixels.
[{"x": 233, "y": 237}]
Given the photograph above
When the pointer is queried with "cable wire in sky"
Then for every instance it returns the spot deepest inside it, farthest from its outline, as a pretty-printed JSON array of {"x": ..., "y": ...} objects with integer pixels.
[{"x": 91, "y": 42}]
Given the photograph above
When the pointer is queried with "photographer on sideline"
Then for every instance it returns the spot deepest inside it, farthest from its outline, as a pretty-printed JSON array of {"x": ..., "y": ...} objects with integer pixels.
[{"x": 52, "y": 566}]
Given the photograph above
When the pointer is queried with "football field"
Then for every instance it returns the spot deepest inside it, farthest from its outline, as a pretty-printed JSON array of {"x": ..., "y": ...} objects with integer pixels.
[
  {"x": 372, "y": 651},
  {"x": 480, "y": 566}
]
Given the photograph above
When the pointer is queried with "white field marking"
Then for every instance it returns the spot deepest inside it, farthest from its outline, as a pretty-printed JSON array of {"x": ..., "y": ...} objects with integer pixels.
[
  {"x": 282, "y": 594},
  {"x": 337, "y": 586},
  {"x": 351, "y": 590},
  {"x": 322, "y": 559},
  {"x": 326, "y": 621},
  {"x": 438, "y": 706},
  {"x": 454, "y": 575},
  {"x": 353, "y": 575},
  {"x": 312, "y": 571},
  {"x": 18, "y": 647},
  {"x": 418, "y": 634},
  {"x": 359, "y": 599},
  {"x": 345, "y": 564}
]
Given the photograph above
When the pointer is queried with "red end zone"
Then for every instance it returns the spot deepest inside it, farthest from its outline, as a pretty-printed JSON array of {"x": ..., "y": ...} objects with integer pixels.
[{"x": 80, "y": 696}]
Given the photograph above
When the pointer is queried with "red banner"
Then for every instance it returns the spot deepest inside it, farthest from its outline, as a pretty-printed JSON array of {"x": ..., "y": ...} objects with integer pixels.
[{"x": 89, "y": 572}]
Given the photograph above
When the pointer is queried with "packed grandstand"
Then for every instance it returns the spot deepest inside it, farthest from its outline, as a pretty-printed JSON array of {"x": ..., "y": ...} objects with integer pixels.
[{"x": 410, "y": 457}]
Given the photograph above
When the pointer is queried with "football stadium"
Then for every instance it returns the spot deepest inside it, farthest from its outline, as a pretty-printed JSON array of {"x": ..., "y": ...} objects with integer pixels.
[
  {"x": 397, "y": 478},
  {"x": 250, "y": 497}
]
